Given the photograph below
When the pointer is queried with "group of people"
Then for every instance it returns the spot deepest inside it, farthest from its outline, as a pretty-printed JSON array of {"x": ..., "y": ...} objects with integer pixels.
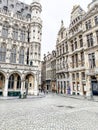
[{"x": 43, "y": 90}]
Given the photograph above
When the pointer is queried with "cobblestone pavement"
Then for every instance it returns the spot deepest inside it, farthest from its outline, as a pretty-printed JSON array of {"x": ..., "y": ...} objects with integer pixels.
[{"x": 52, "y": 112}]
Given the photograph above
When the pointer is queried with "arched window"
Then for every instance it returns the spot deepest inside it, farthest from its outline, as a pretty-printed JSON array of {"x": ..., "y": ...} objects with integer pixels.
[
  {"x": 5, "y": 29},
  {"x": 2, "y": 81},
  {"x": 13, "y": 55},
  {"x": 15, "y": 32},
  {"x": 21, "y": 56},
  {"x": 11, "y": 82},
  {"x": 18, "y": 82},
  {"x": 2, "y": 53}
]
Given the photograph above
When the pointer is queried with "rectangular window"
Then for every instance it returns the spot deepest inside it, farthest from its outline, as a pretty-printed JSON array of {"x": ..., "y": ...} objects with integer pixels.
[
  {"x": 88, "y": 24},
  {"x": 81, "y": 41},
  {"x": 13, "y": 56},
  {"x": 90, "y": 40},
  {"x": 91, "y": 60},
  {"x": 75, "y": 44},
  {"x": 66, "y": 48},
  {"x": 72, "y": 61},
  {"x": 73, "y": 76},
  {"x": 96, "y": 20},
  {"x": 97, "y": 36},
  {"x": 2, "y": 54},
  {"x": 22, "y": 36},
  {"x": 63, "y": 49},
  {"x": 72, "y": 47},
  {"x": 83, "y": 75},
  {"x": 5, "y": 31},
  {"x": 82, "y": 58},
  {"x": 15, "y": 34},
  {"x": 76, "y": 56}
]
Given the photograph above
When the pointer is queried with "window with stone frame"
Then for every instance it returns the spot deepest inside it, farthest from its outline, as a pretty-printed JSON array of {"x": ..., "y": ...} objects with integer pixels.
[
  {"x": 81, "y": 41},
  {"x": 77, "y": 75},
  {"x": 21, "y": 56},
  {"x": 83, "y": 75},
  {"x": 15, "y": 32},
  {"x": 90, "y": 41},
  {"x": 92, "y": 60},
  {"x": 82, "y": 58},
  {"x": 97, "y": 36},
  {"x": 63, "y": 48},
  {"x": 75, "y": 44},
  {"x": 11, "y": 82},
  {"x": 73, "y": 61},
  {"x": 18, "y": 82},
  {"x": 60, "y": 50},
  {"x": 72, "y": 47},
  {"x": 5, "y": 28},
  {"x": 2, "y": 53},
  {"x": 23, "y": 35},
  {"x": 28, "y": 56},
  {"x": 66, "y": 47},
  {"x": 88, "y": 24},
  {"x": 96, "y": 20},
  {"x": 13, "y": 55},
  {"x": 76, "y": 59}
]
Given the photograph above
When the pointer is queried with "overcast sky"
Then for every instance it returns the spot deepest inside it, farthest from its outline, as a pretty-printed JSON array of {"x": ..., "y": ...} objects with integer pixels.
[{"x": 53, "y": 11}]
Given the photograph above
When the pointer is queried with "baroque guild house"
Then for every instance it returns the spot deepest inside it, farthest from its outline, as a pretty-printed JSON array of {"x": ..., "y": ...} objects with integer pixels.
[{"x": 77, "y": 52}]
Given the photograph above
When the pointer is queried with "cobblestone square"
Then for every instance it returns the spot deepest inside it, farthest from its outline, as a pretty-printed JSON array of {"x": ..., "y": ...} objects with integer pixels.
[{"x": 53, "y": 112}]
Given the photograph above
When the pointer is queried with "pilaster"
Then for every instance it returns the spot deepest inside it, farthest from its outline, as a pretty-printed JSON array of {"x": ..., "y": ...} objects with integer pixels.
[{"x": 5, "y": 92}]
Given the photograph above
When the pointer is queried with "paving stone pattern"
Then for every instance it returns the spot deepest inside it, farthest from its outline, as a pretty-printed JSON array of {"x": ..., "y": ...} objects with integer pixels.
[{"x": 52, "y": 112}]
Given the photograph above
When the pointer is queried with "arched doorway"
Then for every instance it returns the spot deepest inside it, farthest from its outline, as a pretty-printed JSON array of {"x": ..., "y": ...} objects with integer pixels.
[
  {"x": 2, "y": 83},
  {"x": 14, "y": 85},
  {"x": 29, "y": 84}
]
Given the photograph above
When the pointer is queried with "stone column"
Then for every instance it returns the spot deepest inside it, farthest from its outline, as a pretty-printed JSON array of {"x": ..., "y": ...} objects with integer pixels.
[
  {"x": 89, "y": 87},
  {"x": 71, "y": 83},
  {"x": 5, "y": 92},
  {"x": 80, "y": 82},
  {"x": 22, "y": 86},
  {"x": 36, "y": 85}
]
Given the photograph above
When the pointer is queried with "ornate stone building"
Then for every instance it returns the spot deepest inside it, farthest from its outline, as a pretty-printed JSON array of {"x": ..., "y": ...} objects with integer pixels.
[
  {"x": 49, "y": 71},
  {"x": 62, "y": 60},
  {"x": 20, "y": 47},
  {"x": 90, "y": 35},
  {"x": 43, "y": 73},
  {"x": 77, "y": 52}
]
